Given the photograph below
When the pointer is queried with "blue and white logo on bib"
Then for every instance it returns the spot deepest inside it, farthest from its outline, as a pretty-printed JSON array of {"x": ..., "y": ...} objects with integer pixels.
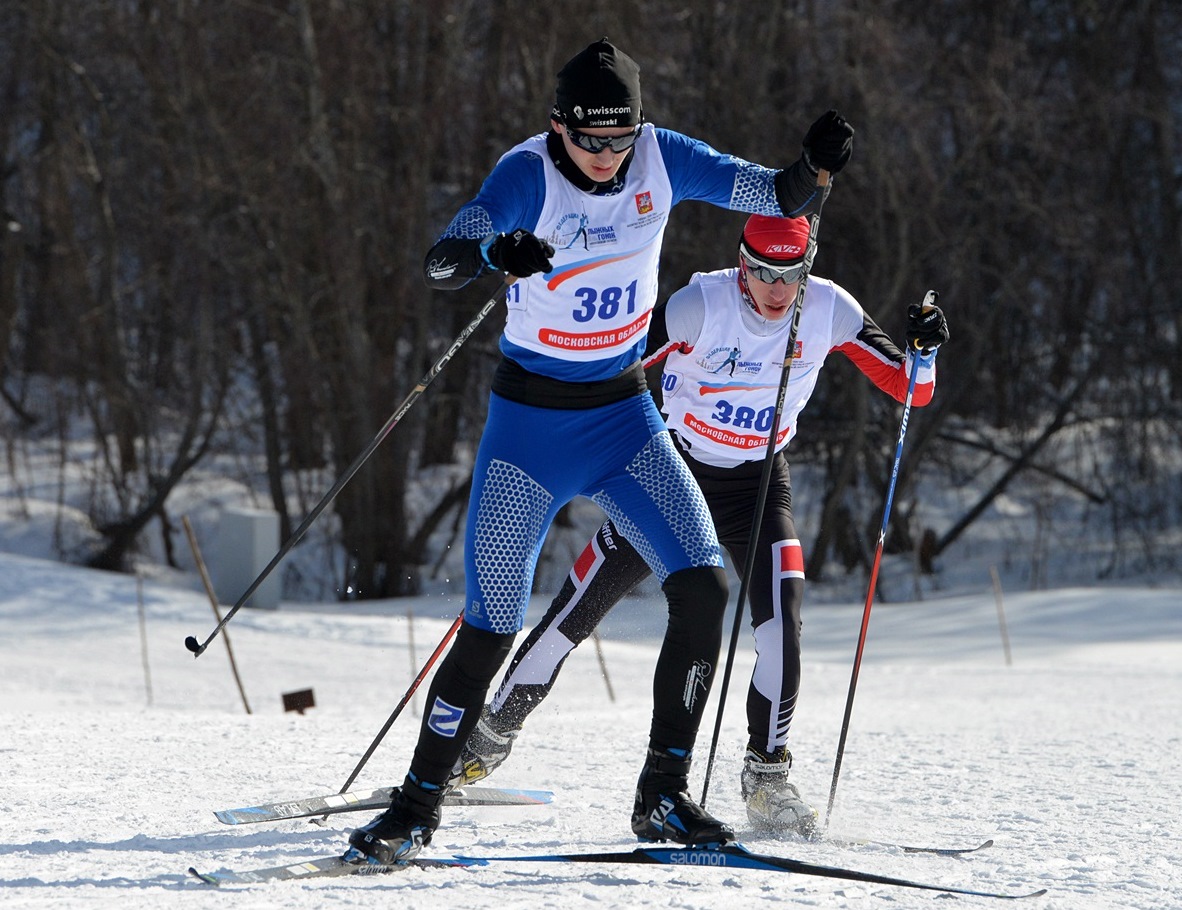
[{"x": 572, "y": 227}]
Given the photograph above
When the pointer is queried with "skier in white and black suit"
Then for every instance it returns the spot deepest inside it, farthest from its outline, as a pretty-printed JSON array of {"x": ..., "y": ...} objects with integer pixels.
[
  {"x": 719, "y": 422},
  {"x": 578, "y": 214}
]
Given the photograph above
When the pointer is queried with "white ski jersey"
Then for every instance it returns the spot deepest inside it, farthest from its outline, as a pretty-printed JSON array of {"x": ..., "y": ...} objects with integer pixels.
[
  {"x": 596, "y": 302},
  {"x": 723, "y": 364}
]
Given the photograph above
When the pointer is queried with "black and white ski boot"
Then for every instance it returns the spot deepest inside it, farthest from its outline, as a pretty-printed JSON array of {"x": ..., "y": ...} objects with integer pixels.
[
  {"x": 664, "y": 810},
  {"x": 487, "y": 747},
  {"x": 403, "y": 830},
  {"x": 774, "y": 804}
]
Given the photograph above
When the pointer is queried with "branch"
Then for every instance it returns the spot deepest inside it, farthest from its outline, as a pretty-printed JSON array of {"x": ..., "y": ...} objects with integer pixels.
[
  {"x": 1053, "y": 473},
  {"x": 1024, "y": 460}
]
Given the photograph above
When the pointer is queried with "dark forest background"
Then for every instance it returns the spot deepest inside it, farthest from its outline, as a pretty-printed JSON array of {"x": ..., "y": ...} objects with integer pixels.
[{"x": 206, "y": 203}]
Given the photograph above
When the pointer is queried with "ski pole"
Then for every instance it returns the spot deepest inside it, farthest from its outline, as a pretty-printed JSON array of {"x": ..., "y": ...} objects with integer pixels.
[
  {"x": 765, "y": 478},
  {"x": 607, "y": 680},
  {"x": 439, "y": 649},
  {"x": 929, "y": 300},
  {"x": 198, "y": 648}
]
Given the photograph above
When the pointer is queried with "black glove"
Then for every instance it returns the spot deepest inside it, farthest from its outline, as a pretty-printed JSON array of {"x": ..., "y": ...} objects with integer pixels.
[
  {"x": 520, "y": 253},
  {"x": 927, "y": 329},
  {"x": 829, "y": 143}
]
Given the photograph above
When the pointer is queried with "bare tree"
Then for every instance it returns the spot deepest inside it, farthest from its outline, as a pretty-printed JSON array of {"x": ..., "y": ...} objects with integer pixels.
[{"x": 216, "y": 204}]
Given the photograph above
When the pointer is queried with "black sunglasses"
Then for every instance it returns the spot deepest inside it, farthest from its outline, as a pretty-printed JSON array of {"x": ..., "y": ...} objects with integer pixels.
[{"x": 596, "y": 144}]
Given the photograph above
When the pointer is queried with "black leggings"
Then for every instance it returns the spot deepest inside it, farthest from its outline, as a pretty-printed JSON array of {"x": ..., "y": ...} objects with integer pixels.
[
  {"x": 610, "y": 567},
  {"x": 685, "y": 668}
]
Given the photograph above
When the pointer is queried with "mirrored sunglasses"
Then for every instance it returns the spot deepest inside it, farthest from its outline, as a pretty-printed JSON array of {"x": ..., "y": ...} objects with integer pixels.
[
  {"x": 770, "y": 274},
  {"x": 596, "y": 144}
]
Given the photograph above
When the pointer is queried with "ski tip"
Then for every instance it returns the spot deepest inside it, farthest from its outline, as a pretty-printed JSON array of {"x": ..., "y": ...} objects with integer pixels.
[
  {"x": 509, "y": 795},
  {"x": 245, "y": 815},
  {"x": 937, "y": 851},
  {"x": 203, "y": 877},
  {"x": 541, "y": 797},
  {"x": 469, "y": 860}
]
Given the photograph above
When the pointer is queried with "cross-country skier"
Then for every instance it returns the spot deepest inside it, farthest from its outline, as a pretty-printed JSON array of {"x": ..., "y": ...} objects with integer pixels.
[
  {"x": 578, "y": 215},
  {"x": 720, "y": 427}
]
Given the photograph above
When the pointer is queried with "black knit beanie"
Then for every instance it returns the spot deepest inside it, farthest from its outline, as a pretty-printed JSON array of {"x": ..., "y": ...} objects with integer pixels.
[{"x": 599, "y": 86}]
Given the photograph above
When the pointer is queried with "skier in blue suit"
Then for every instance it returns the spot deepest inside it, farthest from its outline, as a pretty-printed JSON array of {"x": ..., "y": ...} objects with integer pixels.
[{"x": 578, "y": 215}]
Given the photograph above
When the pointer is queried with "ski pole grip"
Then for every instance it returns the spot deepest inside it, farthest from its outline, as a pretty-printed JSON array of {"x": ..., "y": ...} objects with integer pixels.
[{"x": 929, "y": 303}]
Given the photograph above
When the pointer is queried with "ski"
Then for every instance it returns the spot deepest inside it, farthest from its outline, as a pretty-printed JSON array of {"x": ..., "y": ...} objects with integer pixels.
[
  {"x": 736, "y": 856},
  {"x": 730, "y": 856},
  {"x": 321, "y": 867},
  {"x": 375, "y": 800},
  {"x": 843, "y": 841}
]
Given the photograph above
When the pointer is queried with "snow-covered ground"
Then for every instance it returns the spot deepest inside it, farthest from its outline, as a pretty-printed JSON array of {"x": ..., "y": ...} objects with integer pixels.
[{"x": 116, "y": 745}]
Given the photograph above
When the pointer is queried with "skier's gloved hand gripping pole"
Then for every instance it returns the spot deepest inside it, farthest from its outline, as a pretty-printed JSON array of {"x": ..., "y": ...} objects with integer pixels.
[
  {"x": 926, "y": 331},
  {"x": 823, "y": 186},
  {"x": 198, "y": 648}
]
